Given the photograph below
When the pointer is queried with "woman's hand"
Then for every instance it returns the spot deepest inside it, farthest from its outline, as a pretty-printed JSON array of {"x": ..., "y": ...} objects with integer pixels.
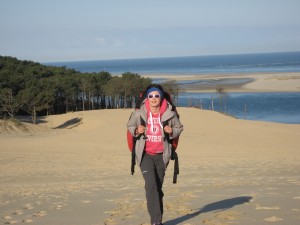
[
  {"x": 140, "y": 129},
  {"x": 168, "y": 129}
]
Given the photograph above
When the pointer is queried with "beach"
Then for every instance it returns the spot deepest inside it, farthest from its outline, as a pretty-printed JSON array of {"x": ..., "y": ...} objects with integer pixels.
[
  {"x": 74, "y": 168},
  {"x": 251, "y": 82}
]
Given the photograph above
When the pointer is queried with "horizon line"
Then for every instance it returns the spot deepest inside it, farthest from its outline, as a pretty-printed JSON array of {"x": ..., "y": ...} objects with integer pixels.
[{"x": 166, "y": 57}]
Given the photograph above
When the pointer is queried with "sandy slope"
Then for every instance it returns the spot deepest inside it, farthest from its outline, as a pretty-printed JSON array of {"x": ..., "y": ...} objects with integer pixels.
[{"x": 75, "y": 169}]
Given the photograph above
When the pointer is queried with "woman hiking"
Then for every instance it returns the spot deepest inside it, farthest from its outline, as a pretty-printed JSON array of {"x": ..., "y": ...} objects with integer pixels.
[{"x": 155, "y": 123}]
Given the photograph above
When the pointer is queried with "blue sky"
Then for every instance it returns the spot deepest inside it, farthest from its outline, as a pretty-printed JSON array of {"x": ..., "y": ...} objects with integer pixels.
[{"x": 75, "y": 30}]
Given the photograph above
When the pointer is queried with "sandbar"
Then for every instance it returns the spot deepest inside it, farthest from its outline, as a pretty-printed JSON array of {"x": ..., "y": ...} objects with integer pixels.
[{"x": 255, "y": 82}]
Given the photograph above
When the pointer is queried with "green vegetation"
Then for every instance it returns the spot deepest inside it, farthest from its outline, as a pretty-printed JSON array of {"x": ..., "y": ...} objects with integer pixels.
[{"x": 33, "y": 89}]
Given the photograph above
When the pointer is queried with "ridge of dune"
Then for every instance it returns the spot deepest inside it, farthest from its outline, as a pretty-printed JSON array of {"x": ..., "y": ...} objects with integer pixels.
[
  {"x": 16, "y": 127},
  {"x": 211, "y": 130}
]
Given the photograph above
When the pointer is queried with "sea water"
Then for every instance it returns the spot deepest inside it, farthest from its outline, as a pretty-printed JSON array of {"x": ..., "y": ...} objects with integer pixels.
[
  {"x": 216, "y": 64},
  {"x": 274, "y": 107}
]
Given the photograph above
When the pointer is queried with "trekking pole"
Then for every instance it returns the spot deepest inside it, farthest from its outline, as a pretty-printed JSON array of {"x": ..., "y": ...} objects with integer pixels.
[
  {"x": 143, "y": 123},
  {"x": 133, "y": 157},
  {"x": 176, "y": 166},
  {"x": 174, "y": 155}
]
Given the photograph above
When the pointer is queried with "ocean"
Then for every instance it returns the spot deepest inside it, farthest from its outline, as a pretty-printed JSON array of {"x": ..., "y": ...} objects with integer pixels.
[
  {"x": 273, "y": 107},
  {"x": 218, "y": 64}
]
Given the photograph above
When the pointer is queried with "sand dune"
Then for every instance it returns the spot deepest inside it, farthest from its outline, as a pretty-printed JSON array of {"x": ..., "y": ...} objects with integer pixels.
[{"x": 75, "y": 169}]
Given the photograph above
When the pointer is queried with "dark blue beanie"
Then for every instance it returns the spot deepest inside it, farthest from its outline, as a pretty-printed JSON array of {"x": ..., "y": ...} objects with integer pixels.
[{"x": 154, "y": 89}]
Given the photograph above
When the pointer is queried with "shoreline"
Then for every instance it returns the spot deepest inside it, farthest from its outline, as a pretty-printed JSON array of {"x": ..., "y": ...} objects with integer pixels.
[{"x": 250, "y": 82}]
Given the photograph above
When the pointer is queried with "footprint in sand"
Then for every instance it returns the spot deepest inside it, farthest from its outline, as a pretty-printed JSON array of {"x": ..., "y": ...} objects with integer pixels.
[
  {"x": 229, "y": 215},
  {"x": 28, "y": 206},
  {"x": 27, "y": 221},
  {"x": 273, "y": 219},
  {"x": 58, "y": 205},
  {"x": 7, "y": 217},
  {"x": 11, "y": 222},
  {"x": 18, "y": 212},
  {"x": 8, "y": 220},
  {"x": 86, "y": 201},
  {"x": 40, "y": 214},
  {"x": 109, "y": 221}
]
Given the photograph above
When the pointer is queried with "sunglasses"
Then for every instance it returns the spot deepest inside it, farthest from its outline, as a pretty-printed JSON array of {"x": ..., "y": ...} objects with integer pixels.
[{"x": 153, "y": 96}]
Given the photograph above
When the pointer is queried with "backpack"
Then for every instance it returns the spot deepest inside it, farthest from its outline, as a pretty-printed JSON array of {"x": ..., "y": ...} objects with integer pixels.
[{"x": 131, "y": 140}]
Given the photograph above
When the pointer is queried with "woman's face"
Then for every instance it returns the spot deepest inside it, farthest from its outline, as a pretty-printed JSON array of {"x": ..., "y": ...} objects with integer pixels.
[{"x": 154, "y": 98}]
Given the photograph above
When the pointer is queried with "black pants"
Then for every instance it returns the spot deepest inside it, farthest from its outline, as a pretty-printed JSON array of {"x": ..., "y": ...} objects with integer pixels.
[{"x": 153, "y": 170}]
